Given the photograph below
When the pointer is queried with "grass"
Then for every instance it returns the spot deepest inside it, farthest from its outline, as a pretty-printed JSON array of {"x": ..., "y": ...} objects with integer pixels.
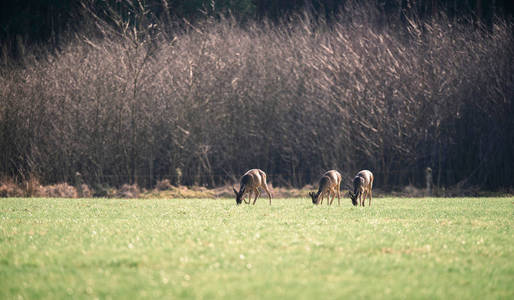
[{"x": 170, "y": 248}]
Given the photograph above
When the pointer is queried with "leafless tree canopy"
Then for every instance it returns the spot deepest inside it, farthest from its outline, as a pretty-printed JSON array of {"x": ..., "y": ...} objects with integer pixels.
[{"x": 137, "y": 102}]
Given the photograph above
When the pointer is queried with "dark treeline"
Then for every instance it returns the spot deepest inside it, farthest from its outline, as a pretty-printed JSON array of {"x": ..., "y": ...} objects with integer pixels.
[
  {"x": 136, "y": 95},
  {"x": 36, "y": 21}
]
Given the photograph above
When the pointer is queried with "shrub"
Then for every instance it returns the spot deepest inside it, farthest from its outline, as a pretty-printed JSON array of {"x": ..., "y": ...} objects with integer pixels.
[
  {"x": 163, "y": 185},
  {"x": 10, "y": 189},
  {"x": 128, "y": 191},
  {"x": 294, "y": 98},
  {"x": 61, "y": 190},
  {"x": 85, "y": 191}
]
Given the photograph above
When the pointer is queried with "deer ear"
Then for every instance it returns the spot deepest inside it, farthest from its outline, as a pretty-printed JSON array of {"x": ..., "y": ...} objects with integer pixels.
[{"x": 234, "y": 190}]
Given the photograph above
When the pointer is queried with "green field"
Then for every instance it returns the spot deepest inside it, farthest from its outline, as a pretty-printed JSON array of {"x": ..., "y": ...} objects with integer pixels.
[{"x": 176, "y": 248}]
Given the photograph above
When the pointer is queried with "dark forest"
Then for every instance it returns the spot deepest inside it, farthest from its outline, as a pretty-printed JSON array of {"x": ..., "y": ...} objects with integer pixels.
[{"x": 198, "y": 92}]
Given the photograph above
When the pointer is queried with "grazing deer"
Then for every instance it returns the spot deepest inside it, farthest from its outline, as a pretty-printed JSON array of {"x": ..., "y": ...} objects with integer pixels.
[
  {"x": 250, "y": 182},
  {"x": 328, "y": 185},
  {"x": 362, "y": 185}
]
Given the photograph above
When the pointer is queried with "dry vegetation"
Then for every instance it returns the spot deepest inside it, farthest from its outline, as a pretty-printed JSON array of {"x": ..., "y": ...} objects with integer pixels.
[
  {"x": 123, "y": 103},
  {"x": 163, "y": 189}
]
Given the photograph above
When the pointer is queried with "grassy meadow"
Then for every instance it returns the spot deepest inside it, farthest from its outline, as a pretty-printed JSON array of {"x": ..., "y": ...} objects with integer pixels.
[{"x": 203, "y": 248}]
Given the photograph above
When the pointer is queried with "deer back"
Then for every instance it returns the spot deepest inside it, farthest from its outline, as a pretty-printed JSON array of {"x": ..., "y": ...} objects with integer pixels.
[
  {"x": 335, "y": 177},
  {"x": 253, "y": 178},
  {"x": 367, "y": 177}
]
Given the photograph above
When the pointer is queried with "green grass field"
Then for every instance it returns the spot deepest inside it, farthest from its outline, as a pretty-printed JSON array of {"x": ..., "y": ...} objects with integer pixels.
[{"x": 174, "y": 248}]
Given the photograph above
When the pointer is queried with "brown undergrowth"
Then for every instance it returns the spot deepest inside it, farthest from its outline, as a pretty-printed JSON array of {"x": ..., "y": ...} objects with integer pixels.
[{"x": 164, "y": 189}]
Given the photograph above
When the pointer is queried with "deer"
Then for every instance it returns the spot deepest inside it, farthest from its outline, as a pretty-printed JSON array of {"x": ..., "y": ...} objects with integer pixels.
[
  {"x": 362, "y": 185},
  {"x": 250, "y": 183},
  {"x": 329, "y": 185}
]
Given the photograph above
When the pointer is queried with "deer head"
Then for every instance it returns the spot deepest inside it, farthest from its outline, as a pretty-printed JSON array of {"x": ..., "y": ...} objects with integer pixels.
[
  {"x": 314, "y": 197},
  {"x": 353, "y": 197},
  {"x": 239, "y": 195}
]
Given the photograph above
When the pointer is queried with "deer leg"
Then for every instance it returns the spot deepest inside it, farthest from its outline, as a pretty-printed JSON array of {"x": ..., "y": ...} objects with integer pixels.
[
  {"x": 268, "y": 192},
  {"x": 249, "y": 197},
  {"x": 370, "y": 196},
  {"x": 257, "y": 193},
  {"x": 338, "y": 197},
  {"x": 333, "y": 196}
]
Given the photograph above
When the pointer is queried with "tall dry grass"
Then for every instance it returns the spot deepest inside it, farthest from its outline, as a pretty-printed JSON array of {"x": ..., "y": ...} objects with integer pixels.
[{"x": 134, "y": 103}]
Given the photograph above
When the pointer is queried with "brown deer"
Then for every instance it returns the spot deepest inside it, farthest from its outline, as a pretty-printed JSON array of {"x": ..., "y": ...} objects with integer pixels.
[
  {"x": 362, "y": 185},
  {"x": 329, "y": 184},
  {"x": 250, "y": 182}
]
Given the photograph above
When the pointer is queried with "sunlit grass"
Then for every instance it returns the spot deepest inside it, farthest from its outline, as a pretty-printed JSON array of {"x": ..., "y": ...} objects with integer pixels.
[{"x": 398, "y": 248}]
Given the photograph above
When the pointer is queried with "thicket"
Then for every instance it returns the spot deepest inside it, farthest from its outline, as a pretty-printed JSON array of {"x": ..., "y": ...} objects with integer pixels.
[
  {"x": 36, "y": 21},
  {"x": 137, "y": 102}
]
